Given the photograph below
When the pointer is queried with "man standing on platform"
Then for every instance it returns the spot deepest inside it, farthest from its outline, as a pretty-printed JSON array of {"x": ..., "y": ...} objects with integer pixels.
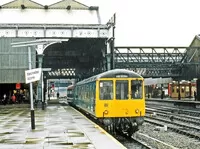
[{"x": 58, "y": 95}]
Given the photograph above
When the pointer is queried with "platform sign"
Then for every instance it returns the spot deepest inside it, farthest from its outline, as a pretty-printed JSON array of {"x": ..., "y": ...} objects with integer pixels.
[
  {"x": 33, "y": 75},
  {"x": 18, "y": 86}
]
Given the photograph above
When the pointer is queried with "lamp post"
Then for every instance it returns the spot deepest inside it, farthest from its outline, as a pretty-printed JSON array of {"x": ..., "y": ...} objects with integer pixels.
[
  {"x": 28, "y": 44},
  {"x": 31, "y": 93},
  {"x": 179, "y": 91}
]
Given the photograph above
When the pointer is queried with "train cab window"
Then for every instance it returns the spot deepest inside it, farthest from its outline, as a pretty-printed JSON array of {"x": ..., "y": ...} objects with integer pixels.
[
  {"x": 121, "y": 89},
  {"x": 106, "y": 90},
  {"x": 136, "y": 89}
]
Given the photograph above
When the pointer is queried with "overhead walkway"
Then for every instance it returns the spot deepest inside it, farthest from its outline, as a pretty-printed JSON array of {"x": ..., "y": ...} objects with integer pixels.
[{"x": 175, "y": 62}]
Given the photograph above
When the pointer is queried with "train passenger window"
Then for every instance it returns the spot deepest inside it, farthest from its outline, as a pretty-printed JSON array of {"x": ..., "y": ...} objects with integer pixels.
[
  {"x": 177, "y": 89},
  {"x": 182, "y": 89},
  {"x": 136, "y": 89},
  {"x": 122, "y": 89},
  {"x": 106, "y": 90}
]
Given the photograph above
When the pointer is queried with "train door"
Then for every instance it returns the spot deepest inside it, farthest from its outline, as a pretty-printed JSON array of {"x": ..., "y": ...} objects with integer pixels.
[{"x": 104, "y": 97}]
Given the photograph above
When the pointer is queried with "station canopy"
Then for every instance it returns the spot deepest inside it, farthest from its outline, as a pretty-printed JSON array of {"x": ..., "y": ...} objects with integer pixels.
[
  {"x": 70, "y": 19},
  {"x": 61, "y": 12}
]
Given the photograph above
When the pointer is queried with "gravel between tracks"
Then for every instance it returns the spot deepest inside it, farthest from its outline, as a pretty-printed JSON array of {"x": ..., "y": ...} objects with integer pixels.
[{"x": 169, "y": 137}]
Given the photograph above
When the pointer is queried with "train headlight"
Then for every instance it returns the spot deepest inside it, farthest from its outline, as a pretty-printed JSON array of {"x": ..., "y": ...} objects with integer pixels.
[
  {"x": 137, "y": 111},
  {"x": 105, "y": 112}
]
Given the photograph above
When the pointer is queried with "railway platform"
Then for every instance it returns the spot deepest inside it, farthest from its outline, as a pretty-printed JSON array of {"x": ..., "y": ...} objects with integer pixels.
[
  {"x": 58, "y": 126},
  {"x": 184, "y": 102}
]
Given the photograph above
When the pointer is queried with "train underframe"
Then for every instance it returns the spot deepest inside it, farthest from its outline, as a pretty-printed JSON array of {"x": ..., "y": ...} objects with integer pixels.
[{"x": 125, "y": 125}]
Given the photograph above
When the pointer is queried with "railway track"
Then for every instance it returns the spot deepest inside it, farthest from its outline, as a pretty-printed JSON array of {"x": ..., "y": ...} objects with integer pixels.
[
  {"x": 154, "y": 142},
  {"x": 178, "y": 123},
  {"x": 181, "y": 124},
  {"x": 153, "y": 139},
  {"x": 132, "y": 142},
  {"x": 183, "y": 130},
  {"x": 190, "y": 112},
  {"x": 143, "y": 141},
  {"x": 129, "y": 142},
  {"x": 173, "y": 116},
  {"x": 138, "y": 141},
  {"x": 157, "y": 137}
]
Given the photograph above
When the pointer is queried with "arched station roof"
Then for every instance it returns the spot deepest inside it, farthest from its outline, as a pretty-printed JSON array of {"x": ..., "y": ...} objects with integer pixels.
[
  {"x": 61, "y": 12},
  {"x": 65, "y": 19},
  {"x": 58, "y": 5}
]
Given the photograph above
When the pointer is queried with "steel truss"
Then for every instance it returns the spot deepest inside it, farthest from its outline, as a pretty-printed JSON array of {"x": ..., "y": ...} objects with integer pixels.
[{"x": 155, "y": 61}]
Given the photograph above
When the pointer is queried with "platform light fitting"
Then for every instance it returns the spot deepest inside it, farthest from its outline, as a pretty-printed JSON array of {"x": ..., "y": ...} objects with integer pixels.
[
  {"x": 93, "y": 8},
  {"x": 23, "y": 6},
  {"x": 46, "y": 7},
  {"x": 37, "y": 42},
  {"x": 68, "y": 7}
]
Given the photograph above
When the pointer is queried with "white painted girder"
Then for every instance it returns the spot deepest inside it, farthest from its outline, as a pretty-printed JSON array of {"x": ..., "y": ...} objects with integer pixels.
[{"x": 51, "y": 32}]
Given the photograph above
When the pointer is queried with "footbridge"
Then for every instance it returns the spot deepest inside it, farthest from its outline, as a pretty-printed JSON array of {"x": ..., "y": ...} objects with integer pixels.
[{"x": 174, "y": 62}]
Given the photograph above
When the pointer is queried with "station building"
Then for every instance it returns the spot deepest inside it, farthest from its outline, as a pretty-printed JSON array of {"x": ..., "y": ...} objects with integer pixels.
[{"x": 74, "y": 42}]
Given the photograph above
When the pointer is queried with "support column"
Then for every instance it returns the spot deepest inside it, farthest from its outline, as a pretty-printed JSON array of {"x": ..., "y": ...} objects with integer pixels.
[
  {"x": 162, "y": 92},
  {"x": 48, "y": 88},
  {"x": 40, "y": 84},
  {"x": 45, "y": 89},
  {"x": 179, "y": 91},
  {"x": 112, "y": 53},
  {"x": 31, "y": 93},
  {"x": 198, "y": 89},
  {"x": 190, "y": 90},
  {"x": 103, "y": 63},
  {"x": 108, "y": 56}
]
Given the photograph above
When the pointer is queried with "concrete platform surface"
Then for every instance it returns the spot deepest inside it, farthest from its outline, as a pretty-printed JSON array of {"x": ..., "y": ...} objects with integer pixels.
[{"x": 59, "y": 127}]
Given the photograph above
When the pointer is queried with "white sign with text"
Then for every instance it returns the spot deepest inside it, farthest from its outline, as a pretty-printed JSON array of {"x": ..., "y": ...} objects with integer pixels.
[{"x": 32, "y": 75}]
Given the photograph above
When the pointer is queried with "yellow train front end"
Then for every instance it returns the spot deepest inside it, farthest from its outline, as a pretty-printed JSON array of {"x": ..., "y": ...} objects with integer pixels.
[
  {"x": 125, "y": 98},
  {"x": 121, "y": 101}
]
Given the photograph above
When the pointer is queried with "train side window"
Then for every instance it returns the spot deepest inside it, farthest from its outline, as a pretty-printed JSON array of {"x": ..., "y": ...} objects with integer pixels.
[
  {"x": 177, "y": 89},
  {"x": 105, "y": 90},
  {"x": 136, "y": 89},
  {"x": 182, "y": 89},
  {"x": 122, "y": 89}
]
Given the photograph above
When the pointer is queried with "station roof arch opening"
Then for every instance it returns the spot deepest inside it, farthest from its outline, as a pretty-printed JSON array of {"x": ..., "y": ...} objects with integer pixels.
[{"x": 73, "y": 57}]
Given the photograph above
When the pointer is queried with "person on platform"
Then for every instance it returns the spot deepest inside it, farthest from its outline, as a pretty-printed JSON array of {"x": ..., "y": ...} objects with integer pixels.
[
  {"x": 58, "y": 95},
  {"x": 4, "y": 99},
  {"x": 195, "y": 95},
  {"x": 13, "y": 98}
]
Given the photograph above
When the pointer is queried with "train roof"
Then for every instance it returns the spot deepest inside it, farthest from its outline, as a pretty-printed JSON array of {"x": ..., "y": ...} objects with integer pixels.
[
  {"x": 70, "y": 86},
  {"x": 115, "y": 73}
]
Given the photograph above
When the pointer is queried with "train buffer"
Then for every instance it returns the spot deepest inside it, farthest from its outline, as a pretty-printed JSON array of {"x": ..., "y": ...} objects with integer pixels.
[{"x": 55, "y": 127}]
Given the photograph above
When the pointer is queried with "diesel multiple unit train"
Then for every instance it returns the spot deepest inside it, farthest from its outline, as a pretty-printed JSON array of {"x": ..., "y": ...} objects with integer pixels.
[{"x": 115, "y": 97}]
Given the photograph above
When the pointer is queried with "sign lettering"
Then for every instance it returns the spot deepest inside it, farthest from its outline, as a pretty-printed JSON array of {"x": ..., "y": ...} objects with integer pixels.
[{"x": 33, "y": 75}]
